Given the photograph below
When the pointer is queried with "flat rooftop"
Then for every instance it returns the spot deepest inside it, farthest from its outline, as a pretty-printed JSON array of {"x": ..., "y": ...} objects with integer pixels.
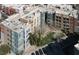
[
  {"x": 64, "y": 9},
  {"x": 14, "y": 25}
]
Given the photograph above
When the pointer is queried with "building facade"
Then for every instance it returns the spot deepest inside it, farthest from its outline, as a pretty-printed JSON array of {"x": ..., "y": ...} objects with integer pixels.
[
  {"x": 18, "y": 42},
  {"x": 15, "y": 34},
  {"x": 5, "y": 35},
  {"x": 65, "y": 22}
]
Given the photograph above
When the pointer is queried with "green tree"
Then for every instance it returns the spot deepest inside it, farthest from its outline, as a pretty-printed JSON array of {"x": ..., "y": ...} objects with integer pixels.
[
  {"x": 4, "y": 49},
  {"x": 38, "y": 40}
]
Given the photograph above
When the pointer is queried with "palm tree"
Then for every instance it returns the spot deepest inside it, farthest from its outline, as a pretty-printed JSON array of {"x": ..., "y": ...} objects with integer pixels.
[
  {"x": 31, "y": 38},
  {"x": 38, "y": 40}
]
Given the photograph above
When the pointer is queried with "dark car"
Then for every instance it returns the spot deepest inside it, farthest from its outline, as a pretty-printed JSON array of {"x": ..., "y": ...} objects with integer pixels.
[
  {"x": 40, "y": 52},
  {"x": 36, "y": 52},
  {"x": 32, "y": 54},
  {"x": 44, "y": 50}
]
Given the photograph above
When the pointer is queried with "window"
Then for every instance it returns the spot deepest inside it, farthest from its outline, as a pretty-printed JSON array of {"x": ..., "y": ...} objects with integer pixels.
[
  {"x": 56, "y": 16},
  {"x": 59, "y": 17},
  {"x": 19, "y": 19},
  {"x": 59, "y": 20},
  {"x": 67, "y": 19},
  {"x": 66, "y": 25},
  {"x": 7, "y": 34},
  {"x": 67, "y": 29},
  {"x": 33, "y": 13},
  {"x": 56, "y": 19},
  {"x": 7, "y": 30},
  {"x": 8, "y": 39},
  {"x": 0, "y": 42},
  {"x": 8, "y": 44}
]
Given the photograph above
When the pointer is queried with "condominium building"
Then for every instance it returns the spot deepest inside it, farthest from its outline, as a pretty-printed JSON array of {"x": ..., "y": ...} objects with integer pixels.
[
  {"x": 15, "y": 30},
  {"x": 15, "y": 34},
  {"x": 66, "y": 23},
  {"x": 65, "y": 17},
  {"x": 36, "y": 19}
]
